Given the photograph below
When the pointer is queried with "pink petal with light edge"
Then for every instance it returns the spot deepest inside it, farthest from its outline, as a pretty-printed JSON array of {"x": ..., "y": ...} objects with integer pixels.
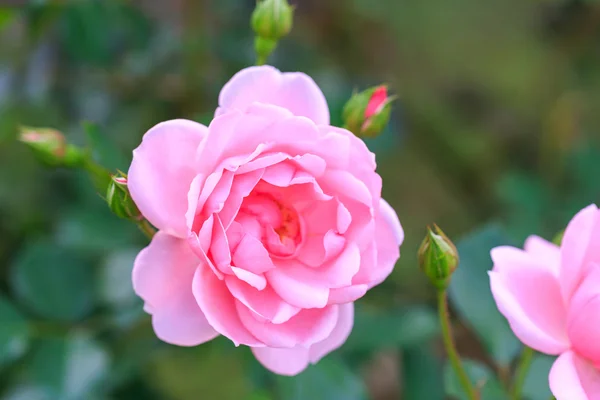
[
  {"x": 252, "y": 256},
  {"x": 388, "y": 238},
  {"x": 347, "y": 294},
  {"x": 162, "y": 276},
  {"x": 295, "y": 91},
  {"x": 218, "y": 306},
  {"x": 242, "y": 186},
  {"x": 305, "y": 328},
  {"x": 337, "y": 337},
  {"x": 297, "y": 287},
  {"x": 256, "y": 281},
  {"x": 574, "y": 248},
  {"x": 572, "y": 378},
  {"x": 288, "y": 362},
  {"x": 528, "y": 295},
  {"x": 317, "y": 249},
  {"x": 584, "y": 317},
  {"x": 546, "y": 252},
  {"x": 162, "y": 171}
]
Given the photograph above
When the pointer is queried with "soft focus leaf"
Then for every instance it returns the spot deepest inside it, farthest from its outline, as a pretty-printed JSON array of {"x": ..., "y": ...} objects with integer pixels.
[
  {"x": 116, "y": 288},
  {"x": 536, "y": 385},
  {"x": 53, "y": 282},
  {"x": 14, "y": 332},
  {"x": 327, "y": 380},
  {"x": 184, "y": 373},
  {"x": 422, "y": 374},
  {"x": 471, "y": 295},
  {"x": 103, "y": 149},
  {"x": 481, "y": 377},
  {"x": 27, "y": 392},
  {"x": 375, "y": 330},
  {"x": 69, "y": 368}
]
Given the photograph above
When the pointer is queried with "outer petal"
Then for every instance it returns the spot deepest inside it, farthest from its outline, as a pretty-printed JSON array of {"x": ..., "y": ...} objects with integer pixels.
[
  {"x": 388, "y": 238},
  {"x": 161, "y": 172},
  {"x": 584, "y": 317},
  {"x": 546, "y": 252},
  {"x": 162, "y": 276},
  {"x": 218, "y": 305},
  {"x": 288, "y": 362},
  {"x": 295, "y": 91},
  {"x": 338, "y": 336},
  {"x": 529, "y": 297},
  {"x": 572, "y": 378},
  {"x": 577, "y": 249}
]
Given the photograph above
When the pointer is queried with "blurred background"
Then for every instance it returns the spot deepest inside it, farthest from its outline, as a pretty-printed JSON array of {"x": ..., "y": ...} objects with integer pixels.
[{"x": 495, "y": 136}]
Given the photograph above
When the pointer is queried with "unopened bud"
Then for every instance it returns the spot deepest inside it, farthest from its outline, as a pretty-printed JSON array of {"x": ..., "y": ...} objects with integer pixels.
[
  {"x": 438, "y": 257},
  {"x": 119, "y": 200},
  {"x": 272, "y": 19},
  {"x": 51, "y": 147},
  {"x": 367, "y": 113}
]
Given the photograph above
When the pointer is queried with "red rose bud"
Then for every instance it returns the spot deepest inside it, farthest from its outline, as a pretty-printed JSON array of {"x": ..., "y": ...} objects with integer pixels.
[
  {"x": 51, "y": 147},
  {"x": 119, "y": 200},
  {"x": 367, "y": 113}
]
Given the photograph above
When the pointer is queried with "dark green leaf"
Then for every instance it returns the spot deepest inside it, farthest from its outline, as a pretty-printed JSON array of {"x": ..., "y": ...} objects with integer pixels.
[
  {"x": 481, "y": 377},
  {"x": 14, "y": 332},
  {"x": 422, "y": 374},
  {"x": 53, "y": 282},
  {"x": 376, "y": 330},
  {"x": 69, "y": 368},
  {"x": 471, "y": 295},
  {"x": 536, "y": 385},
  {"x": 327, "y": 380}
]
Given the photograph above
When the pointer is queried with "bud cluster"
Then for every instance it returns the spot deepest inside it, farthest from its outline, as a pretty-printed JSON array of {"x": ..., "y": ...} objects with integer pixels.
[
  {"x": 367, "y": 113},
  {"x": 271, "y": 20}
]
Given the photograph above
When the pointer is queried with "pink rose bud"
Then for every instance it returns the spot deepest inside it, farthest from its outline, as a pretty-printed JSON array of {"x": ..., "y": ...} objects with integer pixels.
[
  {"x": 119, "y": 199},
  {"x": 51, "y": 147},
  {"x": 367, "y": 113}
]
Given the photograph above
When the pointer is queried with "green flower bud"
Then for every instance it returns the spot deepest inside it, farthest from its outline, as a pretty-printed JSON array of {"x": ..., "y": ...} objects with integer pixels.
[
  {"x": 438, "y": 257},
  {"x": 119, "y": 200},
  {"x": 51, "y": 147},
  {"x": 367, "y": 113},
  {"x": 272, "y": 19}
]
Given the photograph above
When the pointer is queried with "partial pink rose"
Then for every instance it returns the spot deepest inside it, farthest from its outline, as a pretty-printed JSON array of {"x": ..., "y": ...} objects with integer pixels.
[
  {"x": 270, "y": 220},
  {"x": 551, "y": 298}
]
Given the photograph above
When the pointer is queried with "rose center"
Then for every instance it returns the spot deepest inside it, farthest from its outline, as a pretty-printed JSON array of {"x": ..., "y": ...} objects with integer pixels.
[{"x": 280, "y": 231}]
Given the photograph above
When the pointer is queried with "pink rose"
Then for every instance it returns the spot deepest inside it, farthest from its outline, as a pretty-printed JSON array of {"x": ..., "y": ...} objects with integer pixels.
[
  {"x": 270, "y": 223},
  {"x": 551, "y": 298}
]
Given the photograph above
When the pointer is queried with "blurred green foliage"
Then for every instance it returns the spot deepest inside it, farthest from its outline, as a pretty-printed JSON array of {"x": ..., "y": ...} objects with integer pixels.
[{"x": 495, "y": 136}]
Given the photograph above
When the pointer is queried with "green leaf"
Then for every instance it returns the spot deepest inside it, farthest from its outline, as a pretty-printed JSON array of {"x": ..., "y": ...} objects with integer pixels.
[
  {"x": 14, "y": 332},
  {"x": 422, "y": 374},
  {"x": 27, "y": 392},
  {"x": 327, "y": 380},
  {"x": 115, "y": 279},
  {"x": 376, "y": 330},
  {"x": 536, "y": 385},
  {"x": 53, "y": 282},
  {"x": 205, "y": 371},
  {"x": 481, "y": 377},
  {"x": 471, "y": 295},
  {"x": 69, "y": 368},
  {"x": 104, "y": 150}
]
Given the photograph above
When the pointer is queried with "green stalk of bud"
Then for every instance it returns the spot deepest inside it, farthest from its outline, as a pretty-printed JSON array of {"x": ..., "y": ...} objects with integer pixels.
[
  {"x": 438, "y": 257},
  {"x": 271, "y": 21},
  {"x": 119, "y": 200}
]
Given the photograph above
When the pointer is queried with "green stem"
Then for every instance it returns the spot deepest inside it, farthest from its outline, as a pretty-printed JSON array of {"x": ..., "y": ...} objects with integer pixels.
[
  {"x": 451, "y": 347},
  {"x": 521, "y": 372},
  {"x": 146, "y": 228}
]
